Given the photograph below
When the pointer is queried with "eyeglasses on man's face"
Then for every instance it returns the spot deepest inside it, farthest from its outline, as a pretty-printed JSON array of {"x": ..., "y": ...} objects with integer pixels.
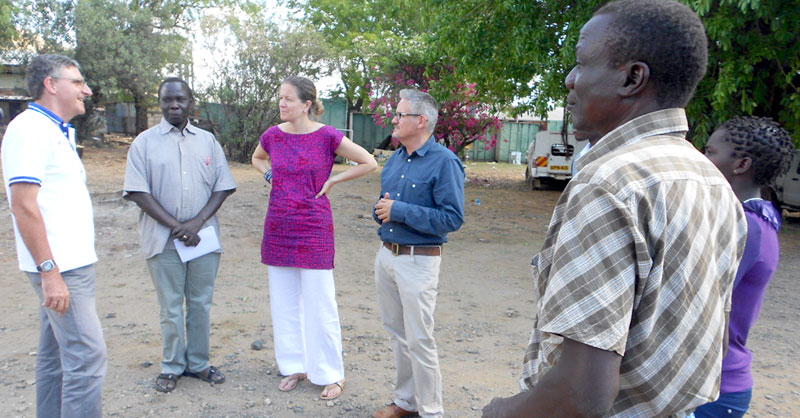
[
  {"x": 399, "y": 115},
  {"x": 76, "y": 81}
]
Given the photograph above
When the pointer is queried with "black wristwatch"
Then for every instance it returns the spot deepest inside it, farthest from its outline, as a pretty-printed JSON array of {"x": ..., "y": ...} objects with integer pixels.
[{"x": 46, "y": 266}]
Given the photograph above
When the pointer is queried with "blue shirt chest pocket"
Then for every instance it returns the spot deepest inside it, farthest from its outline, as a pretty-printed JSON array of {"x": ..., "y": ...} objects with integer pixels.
[{"x": 419, "y": 191}]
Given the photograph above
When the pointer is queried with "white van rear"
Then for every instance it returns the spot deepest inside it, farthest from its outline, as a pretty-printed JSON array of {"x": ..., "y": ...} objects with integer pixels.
[{"x": 549, "y": 159}]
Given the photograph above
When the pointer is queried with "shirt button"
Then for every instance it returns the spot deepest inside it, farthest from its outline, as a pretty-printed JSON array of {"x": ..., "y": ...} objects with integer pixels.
[
  {"x": 402, "y": 176},
  {"x": 409, "y": 160},
  {"x": 186, "y": 188},
  {"x": 391, "y": 230},
  {"x": 413, "y": 185},
  {"x": 398, "y": 195}
]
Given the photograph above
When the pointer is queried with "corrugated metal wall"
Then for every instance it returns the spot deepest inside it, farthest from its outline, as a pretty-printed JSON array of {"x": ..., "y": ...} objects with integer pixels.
[
  {"x": 121, "y": 118},
  {"x": 367, "y": 133},
  {"x": 335, "y": 113},
  {"x": 515, "y": 136}
]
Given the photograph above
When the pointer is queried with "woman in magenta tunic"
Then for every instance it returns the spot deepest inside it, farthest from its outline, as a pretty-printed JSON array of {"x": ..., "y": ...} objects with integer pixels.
[{"x": 297, "y": 157}]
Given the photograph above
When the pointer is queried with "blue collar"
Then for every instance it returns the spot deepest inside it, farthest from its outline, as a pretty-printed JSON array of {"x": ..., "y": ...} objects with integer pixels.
[
  {"x": 765, "y": 210},
  {"x": 64, "y": 126},
  {"x": 430, "y": 143}
]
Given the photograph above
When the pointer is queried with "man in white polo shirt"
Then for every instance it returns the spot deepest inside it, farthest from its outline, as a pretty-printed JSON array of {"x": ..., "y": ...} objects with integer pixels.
[{"x": 54, "y": 228}]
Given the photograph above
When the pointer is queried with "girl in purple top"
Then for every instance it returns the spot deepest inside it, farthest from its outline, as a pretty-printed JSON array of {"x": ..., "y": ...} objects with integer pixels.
[
  {"x": 750, "y": 152},
  {"x": 296, "y": 157}
]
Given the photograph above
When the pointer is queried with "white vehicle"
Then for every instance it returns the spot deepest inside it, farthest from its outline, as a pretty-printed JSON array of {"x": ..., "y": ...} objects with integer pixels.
[
  {"x": 549, "y": 159},
  {"x": 787, "y": 187}
]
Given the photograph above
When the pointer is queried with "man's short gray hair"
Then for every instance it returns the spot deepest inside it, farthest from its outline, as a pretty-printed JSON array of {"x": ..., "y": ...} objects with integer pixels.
[
  {"x": 43, "y": 66},
  {"x": 424, "y": 104}
]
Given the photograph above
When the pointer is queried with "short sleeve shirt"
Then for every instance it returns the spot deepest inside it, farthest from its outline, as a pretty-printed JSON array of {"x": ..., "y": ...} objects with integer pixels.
[
  {"x": 180, "y": 169},
  {"x": 639, "y": 259},
  {"x": 39, "y": 148}
]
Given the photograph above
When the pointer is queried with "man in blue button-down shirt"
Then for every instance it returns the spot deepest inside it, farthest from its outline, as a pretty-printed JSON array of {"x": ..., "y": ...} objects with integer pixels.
[{"x": 422, "y": 189}]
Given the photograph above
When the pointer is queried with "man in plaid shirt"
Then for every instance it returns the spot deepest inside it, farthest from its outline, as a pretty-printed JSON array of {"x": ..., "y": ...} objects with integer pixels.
[{"x": 634, "y": 279}]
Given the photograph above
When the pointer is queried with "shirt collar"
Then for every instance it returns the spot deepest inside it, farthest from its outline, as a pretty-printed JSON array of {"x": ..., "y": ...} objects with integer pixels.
[
  {"x": 424, "y": 148},
  {"x": 64, "y": 126},
  {"x": 765, "y": 210},
  {"x": 661, "y": 122},
  {"x": 164, "y": 127}
]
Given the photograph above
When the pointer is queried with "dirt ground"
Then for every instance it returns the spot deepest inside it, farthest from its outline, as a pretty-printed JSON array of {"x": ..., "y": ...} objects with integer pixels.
[{"x": 483, "y": 318}]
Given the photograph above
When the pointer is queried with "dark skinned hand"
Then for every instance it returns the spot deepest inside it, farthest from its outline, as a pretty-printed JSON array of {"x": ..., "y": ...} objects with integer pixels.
[{"x": 189, "y": 230}]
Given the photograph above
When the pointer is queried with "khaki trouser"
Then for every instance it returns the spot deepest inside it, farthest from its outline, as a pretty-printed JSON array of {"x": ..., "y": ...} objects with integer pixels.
[{"x": 407, "y": 288}]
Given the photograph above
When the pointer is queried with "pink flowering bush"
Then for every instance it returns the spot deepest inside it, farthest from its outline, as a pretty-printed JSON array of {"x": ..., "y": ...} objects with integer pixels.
[{"x": 462, "y": 119}]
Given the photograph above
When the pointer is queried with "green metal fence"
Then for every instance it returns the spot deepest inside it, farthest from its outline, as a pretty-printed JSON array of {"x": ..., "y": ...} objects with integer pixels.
[
  {"x": 335, "y": 113},
  {"x": 514, "y": 137},
  {"x": 367, "y": 133}
]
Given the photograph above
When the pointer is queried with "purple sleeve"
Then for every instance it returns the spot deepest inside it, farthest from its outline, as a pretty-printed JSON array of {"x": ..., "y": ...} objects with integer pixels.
[
  {"x": 751, "y": 248},
  {"x": 265, "y": 139},
  {"x": 336, "y": 139}
]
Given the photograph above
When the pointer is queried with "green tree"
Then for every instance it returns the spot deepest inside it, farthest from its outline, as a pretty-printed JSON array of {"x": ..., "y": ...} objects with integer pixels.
[
  {"x": 517, "y": 51},
  {"x": 462, "y": 120},
  {"x": 7, "y": 31},
  {"x": 520, "y": 51},
  {"x": 350, "y": 26},
  {"x": 125, "y": 48},
  {"x": 385, "y": 46},
  {"x": 259, "y": 55},
  {"x": 36, "y": 26},
  {"x": 754, "y": 64}
]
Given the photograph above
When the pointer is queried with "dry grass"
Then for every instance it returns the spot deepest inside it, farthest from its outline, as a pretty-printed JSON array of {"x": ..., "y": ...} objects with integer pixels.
[{"x": 495, "y": 172}]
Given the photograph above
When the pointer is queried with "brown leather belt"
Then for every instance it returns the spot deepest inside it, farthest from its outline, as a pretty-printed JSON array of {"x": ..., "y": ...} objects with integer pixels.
[{"x": 398, "y": 249}]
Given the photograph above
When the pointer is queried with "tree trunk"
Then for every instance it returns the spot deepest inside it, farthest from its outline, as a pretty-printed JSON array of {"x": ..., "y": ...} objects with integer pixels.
[
  {"x": 141, "y": 113},
  {"x": 88, "y": 123}
]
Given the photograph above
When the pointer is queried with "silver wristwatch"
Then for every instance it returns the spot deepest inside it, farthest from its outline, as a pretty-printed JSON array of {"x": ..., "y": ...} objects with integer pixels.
[{"x": 46, "y": 266}]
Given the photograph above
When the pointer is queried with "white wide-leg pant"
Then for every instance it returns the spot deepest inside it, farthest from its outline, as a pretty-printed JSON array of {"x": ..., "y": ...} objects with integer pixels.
[{"x": 305, "y": 323}]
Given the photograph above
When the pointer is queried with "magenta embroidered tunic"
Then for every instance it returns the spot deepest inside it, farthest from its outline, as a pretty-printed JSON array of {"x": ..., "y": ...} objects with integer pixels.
[{"x": 298, "y": 231}]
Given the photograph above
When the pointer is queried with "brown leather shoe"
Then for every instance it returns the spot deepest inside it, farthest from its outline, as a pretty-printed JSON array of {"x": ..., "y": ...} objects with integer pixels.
[{"x": 393, "y": 411}]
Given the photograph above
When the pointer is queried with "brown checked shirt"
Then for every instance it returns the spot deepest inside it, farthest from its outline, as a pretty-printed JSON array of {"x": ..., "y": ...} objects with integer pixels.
[{"x": 639, "y": 259}]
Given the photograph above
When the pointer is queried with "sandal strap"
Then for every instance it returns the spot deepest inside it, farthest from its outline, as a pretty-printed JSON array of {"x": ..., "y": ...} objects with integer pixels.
[
  {"x": 166, "y": 382},
  {"x": 169, "y": 376},
  {"x": 212, "y": 373}
]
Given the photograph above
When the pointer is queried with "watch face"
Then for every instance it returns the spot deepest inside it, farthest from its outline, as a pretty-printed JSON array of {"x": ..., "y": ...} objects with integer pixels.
[{"x": 48, "y": 266}]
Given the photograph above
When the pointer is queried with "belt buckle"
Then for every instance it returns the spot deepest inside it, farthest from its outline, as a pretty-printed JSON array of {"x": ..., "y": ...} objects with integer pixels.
[{"x": 395, "y": 249}]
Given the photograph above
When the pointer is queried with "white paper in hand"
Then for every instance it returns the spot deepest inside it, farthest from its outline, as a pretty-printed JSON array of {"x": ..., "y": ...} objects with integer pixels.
[{"x": 208, "y": 243}]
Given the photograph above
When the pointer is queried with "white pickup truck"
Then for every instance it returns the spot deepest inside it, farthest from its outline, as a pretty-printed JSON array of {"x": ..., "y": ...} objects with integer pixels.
[
  {"x": 787, "y": 187},
  {"x": 549, "y": 159}
]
